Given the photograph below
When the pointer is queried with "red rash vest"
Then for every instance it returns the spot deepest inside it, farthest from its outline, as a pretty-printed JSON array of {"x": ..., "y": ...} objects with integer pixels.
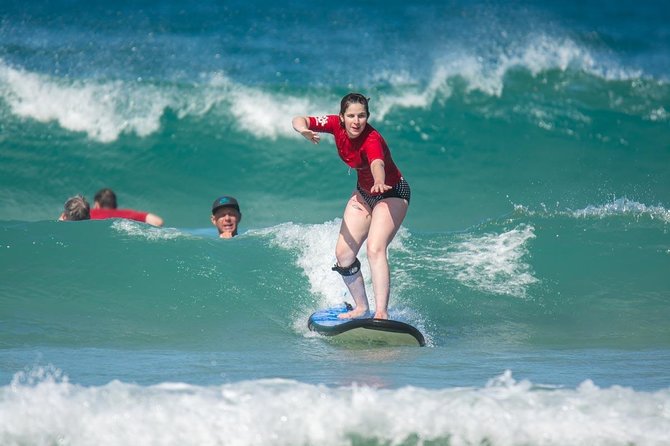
[
  {"x": 358, "y": 153},
  {"x": 129, "y": 214}
]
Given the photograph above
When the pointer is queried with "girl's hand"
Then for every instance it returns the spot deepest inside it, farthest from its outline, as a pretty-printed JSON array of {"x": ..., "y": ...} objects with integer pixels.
[
  {"x": 311, "y": 136},
  {"x": 380, "y": 188}
]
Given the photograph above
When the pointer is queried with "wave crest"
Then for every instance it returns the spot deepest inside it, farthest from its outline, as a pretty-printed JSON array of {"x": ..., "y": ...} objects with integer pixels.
[
  {"x": 101, "y": 110},
  {"x": 280, "y": 411}
]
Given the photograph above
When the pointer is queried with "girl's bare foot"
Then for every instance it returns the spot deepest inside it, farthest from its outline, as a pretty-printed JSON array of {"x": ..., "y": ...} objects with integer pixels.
[
  {"x": 359, "y": 311},
  {"x": 381, "y": 315}
]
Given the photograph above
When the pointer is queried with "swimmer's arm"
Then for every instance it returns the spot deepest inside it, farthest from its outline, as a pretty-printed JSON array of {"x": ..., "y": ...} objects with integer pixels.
[
  {"x": 154, "y": 220},
  {"x": 379, "y": 175},
  {"x": 301, "y": 125}
]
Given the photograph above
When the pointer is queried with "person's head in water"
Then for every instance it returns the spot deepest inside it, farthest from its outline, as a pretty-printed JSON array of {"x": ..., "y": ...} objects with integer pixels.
[
  {"x": 105, "y": 199},
  {"x": 76, "y": 208},
  {"x": 226, "y": 216},
  {"x": 354, "y": 114}
]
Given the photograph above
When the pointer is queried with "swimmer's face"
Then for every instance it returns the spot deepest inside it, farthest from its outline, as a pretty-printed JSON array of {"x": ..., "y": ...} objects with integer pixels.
[
  {"x": 226, "y": 219},
  {"x": 355, "y": 118}
]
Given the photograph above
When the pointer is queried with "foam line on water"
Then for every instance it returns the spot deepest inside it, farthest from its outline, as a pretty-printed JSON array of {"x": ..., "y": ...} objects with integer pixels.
[
  {"x": 42, "y": 407},
  {"x": 492, "y": 262}
]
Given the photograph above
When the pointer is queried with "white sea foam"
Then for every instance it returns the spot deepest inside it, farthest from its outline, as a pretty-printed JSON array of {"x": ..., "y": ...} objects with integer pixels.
[
  {"x": 261, "y": 113},
  {"x": 536, "y": 53},
  {"x": 315, "y": 245},
  {"x": 51, "y": 410},
  {"x": 616, "y": 207},
  {"x": 623, "y": 206},
  {"x": 659, "y": 114},
  {"x": 493, "y": 263},
  {"x": 265, "y": 114},
  {"x": 106, "y": 110},
  {"x": 148, "y": 232},
  {"x": 102, "y": 110},
  {"x": 416, "y": 97}
]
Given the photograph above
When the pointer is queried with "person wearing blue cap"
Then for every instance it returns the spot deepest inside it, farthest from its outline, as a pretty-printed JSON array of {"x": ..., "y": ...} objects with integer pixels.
[{"x": 226, "y": 216}]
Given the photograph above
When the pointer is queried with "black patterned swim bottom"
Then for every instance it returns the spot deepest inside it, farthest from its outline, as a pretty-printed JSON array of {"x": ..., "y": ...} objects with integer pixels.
[{"x": 400, "y": 190}]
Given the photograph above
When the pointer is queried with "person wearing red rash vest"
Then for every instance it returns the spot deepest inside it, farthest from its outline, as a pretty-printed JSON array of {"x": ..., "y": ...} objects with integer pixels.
[
  {"x": 104, "y": 206},
  {"x": 376, "y": 207}
]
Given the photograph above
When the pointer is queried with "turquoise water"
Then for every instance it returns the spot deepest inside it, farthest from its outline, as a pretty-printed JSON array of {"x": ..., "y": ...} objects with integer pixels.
[{"x": 534, "y": 257}]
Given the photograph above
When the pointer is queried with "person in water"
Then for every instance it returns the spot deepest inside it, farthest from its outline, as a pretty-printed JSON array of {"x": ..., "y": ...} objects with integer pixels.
[
  {"x": 75, "y": 208},
  {"x": 226, "y": 216},
  {"x": 376, "y": 207},
  {"x": 104, "y": 206}
]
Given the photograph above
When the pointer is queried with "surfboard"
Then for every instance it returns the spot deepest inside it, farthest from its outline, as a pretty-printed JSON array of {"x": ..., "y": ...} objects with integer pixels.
[{"x": 373, "y": 331}]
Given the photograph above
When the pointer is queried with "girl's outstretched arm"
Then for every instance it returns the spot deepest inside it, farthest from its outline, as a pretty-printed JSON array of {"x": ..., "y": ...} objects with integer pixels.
[{"x": 301, "y": 125}]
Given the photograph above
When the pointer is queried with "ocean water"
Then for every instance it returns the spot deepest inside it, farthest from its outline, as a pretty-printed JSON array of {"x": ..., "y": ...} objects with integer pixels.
[{"x": 535, "y": 256}]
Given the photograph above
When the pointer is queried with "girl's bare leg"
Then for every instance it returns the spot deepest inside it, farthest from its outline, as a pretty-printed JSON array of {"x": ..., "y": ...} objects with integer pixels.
[
  {"x": 353, "y": 232},
  {"x": 386, "y": 218}
]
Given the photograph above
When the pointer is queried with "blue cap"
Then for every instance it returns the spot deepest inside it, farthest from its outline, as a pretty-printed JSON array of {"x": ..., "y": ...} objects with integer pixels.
[{"x": 225, "y": 201}]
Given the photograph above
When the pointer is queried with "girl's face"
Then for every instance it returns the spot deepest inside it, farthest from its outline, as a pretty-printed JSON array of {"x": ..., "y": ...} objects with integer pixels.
[{"x": 355, "y": 118}]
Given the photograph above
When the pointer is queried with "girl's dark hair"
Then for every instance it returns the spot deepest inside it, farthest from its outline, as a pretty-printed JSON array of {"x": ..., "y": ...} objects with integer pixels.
[{"x": 354, "y": 98}]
